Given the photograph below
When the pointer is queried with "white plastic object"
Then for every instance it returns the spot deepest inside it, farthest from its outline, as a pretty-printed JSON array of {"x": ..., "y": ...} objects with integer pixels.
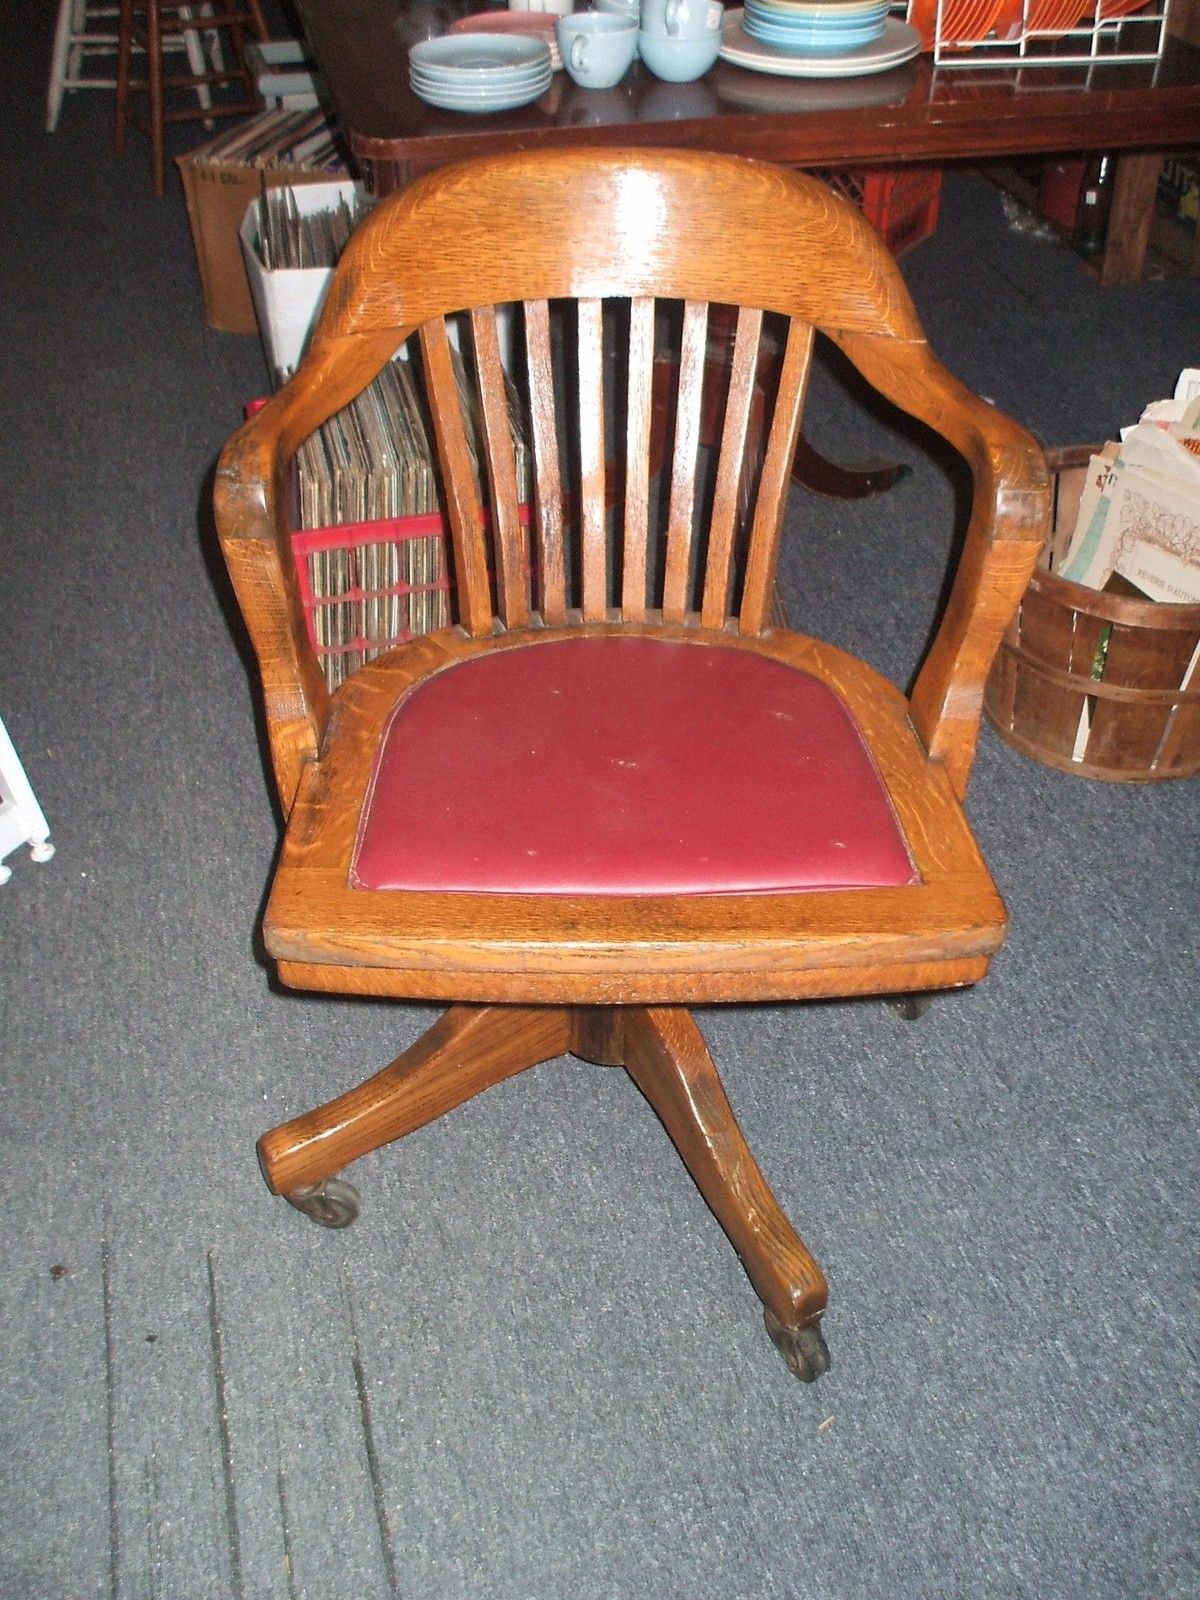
[
  {"x": 22, "y": 821},
  {"x": 283, "y": 73}
]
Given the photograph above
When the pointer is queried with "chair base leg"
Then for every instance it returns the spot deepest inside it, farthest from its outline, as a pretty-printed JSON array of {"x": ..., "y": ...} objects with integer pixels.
[
  {"x": 467, "y": 1050},
  {"x": 912, "y": 1007},
  {"x": 804, "y": 1351},
  {"x": 470, "y": 1048},
  {"x": 667, "y": 1058}
]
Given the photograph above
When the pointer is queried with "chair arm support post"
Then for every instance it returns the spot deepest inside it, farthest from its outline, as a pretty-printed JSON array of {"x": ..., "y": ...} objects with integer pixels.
[
  {"x": 946, "y": 704},
  {"x": 295, "y": 698},
  {"x": 1010, "y": 515}
]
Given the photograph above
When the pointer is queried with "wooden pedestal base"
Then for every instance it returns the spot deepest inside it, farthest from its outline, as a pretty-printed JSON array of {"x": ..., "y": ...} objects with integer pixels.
[{"x": 470, "y": 1048}]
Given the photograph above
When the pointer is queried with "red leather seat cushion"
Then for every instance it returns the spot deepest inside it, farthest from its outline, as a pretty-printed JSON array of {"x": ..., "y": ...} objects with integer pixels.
[{"x": 625, "y": 766}]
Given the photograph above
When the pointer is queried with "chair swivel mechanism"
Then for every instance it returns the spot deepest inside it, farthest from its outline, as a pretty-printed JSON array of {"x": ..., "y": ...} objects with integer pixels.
[{"x": 615, "y": 787}]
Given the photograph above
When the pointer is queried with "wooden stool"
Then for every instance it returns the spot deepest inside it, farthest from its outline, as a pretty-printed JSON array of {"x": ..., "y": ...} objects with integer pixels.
[
  {"x": 153, "y": 25},
  {"x": 84, "y": 30}
]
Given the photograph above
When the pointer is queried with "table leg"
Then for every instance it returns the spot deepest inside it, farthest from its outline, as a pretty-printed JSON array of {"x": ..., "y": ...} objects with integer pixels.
[{"x": 1129, "y": 220}]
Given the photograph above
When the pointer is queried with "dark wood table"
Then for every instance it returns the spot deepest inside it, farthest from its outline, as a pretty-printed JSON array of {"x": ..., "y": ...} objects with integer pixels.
[{"x": 912, "y": 113}]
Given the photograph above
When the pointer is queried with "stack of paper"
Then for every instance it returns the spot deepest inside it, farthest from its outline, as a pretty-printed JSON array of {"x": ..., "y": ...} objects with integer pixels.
[{"x": 1139, "y": 516}]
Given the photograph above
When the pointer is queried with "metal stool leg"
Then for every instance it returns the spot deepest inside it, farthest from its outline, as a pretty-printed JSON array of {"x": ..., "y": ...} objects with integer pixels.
[
  {"x": 197, "y": 60},
  {"x": 154, "y": 73},
  {"x": 63, "y": 29},
  {"x": 124, "y": 51}
]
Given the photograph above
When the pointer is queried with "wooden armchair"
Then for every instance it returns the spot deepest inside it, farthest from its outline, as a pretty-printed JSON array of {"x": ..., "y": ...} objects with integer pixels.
[{"x": 614, "y": 788}]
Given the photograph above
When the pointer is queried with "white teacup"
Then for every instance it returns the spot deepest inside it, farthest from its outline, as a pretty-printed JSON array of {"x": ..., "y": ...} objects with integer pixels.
[
  {"x": 681, "y": 19},
  {"x": 597, "y": 47}
]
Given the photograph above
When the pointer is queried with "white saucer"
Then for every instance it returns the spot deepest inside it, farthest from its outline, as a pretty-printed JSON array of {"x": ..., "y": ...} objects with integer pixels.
[{"x": 897, "y": 43}]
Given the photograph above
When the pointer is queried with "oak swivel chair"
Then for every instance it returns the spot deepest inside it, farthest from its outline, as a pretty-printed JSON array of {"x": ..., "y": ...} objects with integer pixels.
[{"x": 614, "y": 788}]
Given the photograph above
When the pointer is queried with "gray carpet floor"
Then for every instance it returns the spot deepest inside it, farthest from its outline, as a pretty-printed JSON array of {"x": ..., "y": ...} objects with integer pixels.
[{"x": 534, "y": 1368}]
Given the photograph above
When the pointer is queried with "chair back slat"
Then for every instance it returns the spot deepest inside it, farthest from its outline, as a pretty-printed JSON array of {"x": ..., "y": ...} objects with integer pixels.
[
  {"x": 547, "y": 477},
  {"x": 640, "y": 413},
  {"x": 682, "y": 512},
  {"x": 774, "y": 479},
  {"x": 597, "y": 242},
  {"x": 593, "y": 539},
  {"x": 461, "y": 486},
  {"x": 512, "y": 579},
  {"x": 731, "y": 468}
]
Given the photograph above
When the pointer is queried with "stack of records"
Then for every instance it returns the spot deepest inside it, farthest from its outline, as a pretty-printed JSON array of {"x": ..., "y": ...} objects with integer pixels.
[
  {"x": 369, "y": 581},
  {"x": 289, "y": 238},
  {"x": 281, "y": 138}
]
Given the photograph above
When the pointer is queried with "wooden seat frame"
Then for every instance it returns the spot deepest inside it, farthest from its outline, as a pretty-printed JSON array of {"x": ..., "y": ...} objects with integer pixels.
[{"x": 608, "y": 977}]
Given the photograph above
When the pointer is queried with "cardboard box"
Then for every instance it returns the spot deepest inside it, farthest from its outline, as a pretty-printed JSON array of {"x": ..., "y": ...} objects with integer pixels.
[
  {"x": 217, "y": 195},
  {"x": 287, "y": 300}
]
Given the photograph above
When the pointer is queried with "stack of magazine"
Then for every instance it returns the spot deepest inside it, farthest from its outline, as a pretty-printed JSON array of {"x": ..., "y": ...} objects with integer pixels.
[
  {"x": 1137, "y": 531},
  {"x": 281, "y": 138},
  {"x": 1138, "y": 527}
]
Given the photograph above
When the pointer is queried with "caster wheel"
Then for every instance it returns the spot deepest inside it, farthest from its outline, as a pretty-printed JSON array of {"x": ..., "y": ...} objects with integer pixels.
[
  {"x": 804, "y": 1350},
  {"x": 912, "y": 1007},
  {"x": 333, "y": 1203}
]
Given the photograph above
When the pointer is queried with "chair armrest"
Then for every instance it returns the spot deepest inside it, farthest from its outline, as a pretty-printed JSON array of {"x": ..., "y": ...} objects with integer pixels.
[
  {"x": 1010, "y": 515},
  {"x": 249, "y": 499}
]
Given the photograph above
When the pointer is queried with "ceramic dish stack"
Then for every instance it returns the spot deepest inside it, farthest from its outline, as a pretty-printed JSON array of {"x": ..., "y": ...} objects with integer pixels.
[
  {"x": 806, "y": 53},
  {"x": 479, "y": 72},
  {"x": 815, "y": 27}
]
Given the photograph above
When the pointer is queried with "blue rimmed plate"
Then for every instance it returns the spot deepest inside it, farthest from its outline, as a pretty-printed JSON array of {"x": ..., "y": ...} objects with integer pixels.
[
  {"x": 478, "y": 55},
  {"x": 447, "y": 100}
]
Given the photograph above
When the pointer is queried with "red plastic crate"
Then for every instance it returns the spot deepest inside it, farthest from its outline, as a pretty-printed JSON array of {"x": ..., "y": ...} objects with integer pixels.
[
  {"x": 366, "y": 586},
  {"x": 901, "y": 202}
]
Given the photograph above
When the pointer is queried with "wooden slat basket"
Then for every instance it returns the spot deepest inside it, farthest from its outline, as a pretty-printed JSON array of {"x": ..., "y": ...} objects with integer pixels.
[{"x": 1094, "y": 683}]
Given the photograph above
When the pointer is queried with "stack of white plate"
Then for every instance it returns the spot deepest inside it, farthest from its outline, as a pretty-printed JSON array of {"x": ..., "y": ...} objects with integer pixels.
[
  {"x": 815, "y": 27},
  {"x": 479, "y": 71}
]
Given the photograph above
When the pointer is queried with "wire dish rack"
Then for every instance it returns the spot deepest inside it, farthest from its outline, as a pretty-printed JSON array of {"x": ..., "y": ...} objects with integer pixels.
[{"x": 1030, "y": 33}]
